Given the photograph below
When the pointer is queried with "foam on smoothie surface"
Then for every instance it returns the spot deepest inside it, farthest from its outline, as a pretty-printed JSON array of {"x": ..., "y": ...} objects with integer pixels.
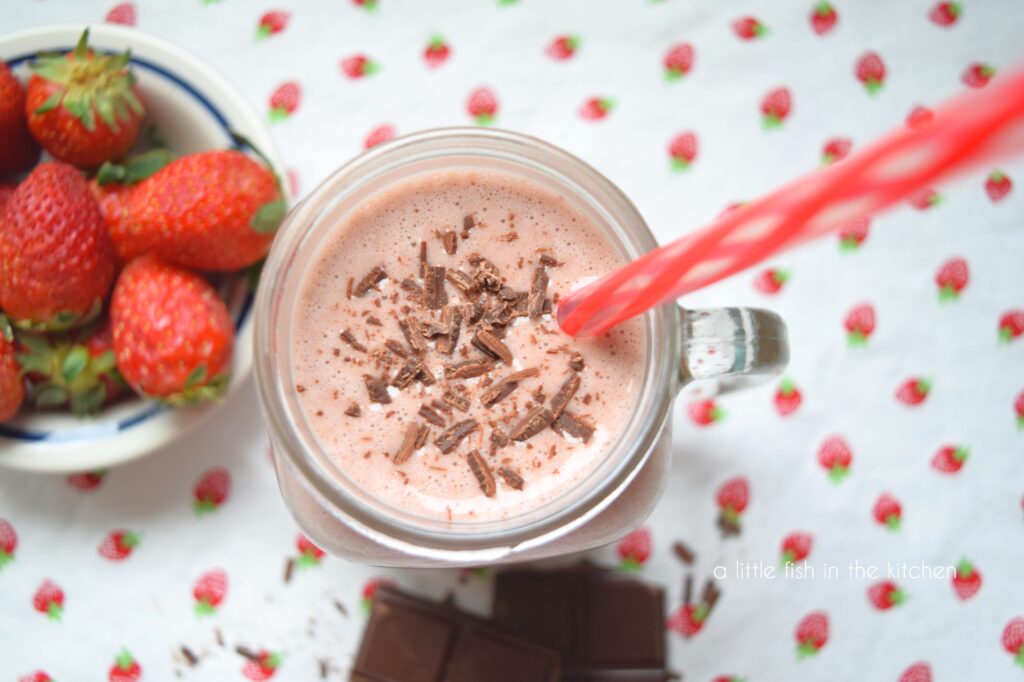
[{"x": 349, "y": 346}]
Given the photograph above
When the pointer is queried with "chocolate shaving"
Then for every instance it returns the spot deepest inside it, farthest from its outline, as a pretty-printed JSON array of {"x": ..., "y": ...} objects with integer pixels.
[
  {"x": 438, "y": 405},
  {"x": 521, "y": 306},
  {"x": 463, "y": 282},
  {"x": 565, "y": 394},
  {"x": 423, "y": 260},
  {"x": 374, "y": 320},
  {"x": 377, "y": 388},
  {"x": 483, "y": 473},
  {"x": 458, "y": 402},
  {"x": 498, "y": 438},
  {"x": 246, "y": 652},
  {"x": 452, "y": 436},
  {"x": 683, "y": 552},
  {"x": 538, "y": 290},
  {"x": 535, "y": 421},
  {"x": 500, "y": 390},
  {"x": 421, "y": 437},
  {"x": 408, "y": 446},
  {"x": 576, "y": 361},
  {"x": 472, "y": 312},
  {"x": 190, "y": 657},
  {"x": 289, "y": 567},
  {"x": 548, "y": 260},
  {"x": 451, "y": 318},
  {"x": 508, "y": 237},
  {"x": 406, "y": 374},
  {"x": 370, "y": 281},
  {"x": 688, "y": 589},
  {"x": 568, "y": 423},
  {"x": 511, "y": 477},
  {"x": 432, "y": 415},
  {"x": 468, "y": 369},
  {"x": 451, "y": 242},
  {"x": 468, "y": 222},
  {"x": 487, "y": 274},
  {"x": 348, "y": 337},
  {"x": 434, "y": 294},
  {"x": 411, "y": 285},
  {"x": 341, "y": 608},
  {"x": 508, "y": 294},
  {"x": 492, "y": 345},
  {"x": 396, "y": 348},
  {"x": 353, "y": 410},
  {"x": 348, "y": 288},
  {"x": 412, "y": 329},
  {"x": 425, "y": 376}
]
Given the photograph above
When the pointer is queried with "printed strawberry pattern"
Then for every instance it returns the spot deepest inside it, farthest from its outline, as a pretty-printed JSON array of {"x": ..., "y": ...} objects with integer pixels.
[{"x": 209, "y": 591}]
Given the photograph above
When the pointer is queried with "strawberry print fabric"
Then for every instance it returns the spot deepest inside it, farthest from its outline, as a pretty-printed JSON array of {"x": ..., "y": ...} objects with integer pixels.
[{"x": 861, "y": 517}]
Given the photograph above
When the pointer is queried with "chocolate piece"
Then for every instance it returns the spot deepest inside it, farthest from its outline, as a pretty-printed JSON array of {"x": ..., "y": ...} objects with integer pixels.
[
  {"x": 459, "y": 402},
  {"x": 396, "y": 348},
  {"x": 451, "y": 437},
  {"x": 412, "y": 640},
  {"x": 408, "y": 446},
  {"x": 451, "y": 242},
  {"x": 421, "y": 438},
  {"x": 535, "y": 421},
  {"x": 348, "y": 288},
  {"x": 565, "y": 394},
  {"x": 406, "y": 374},
  {"x": 438, "y": 405},
  {"x": 511, "y": 477},
  {"x": 377, "y": 388},
  {"x": 189, "y": 655},
  {"x": 370, "y": 281},
  {"x": 353, "y": 410},
  {"x": 374, "y": 320},
  {"x": 546, "y": 259},
  {"x": 498, "y": 438},
  {"x": 432, "y": 415},
  {"x": 412, "y": 329},
  {"x": 423, "y": 260},
  {"x": 472, "y": 312},
  {"x": 508, "y": 294},
  {"x": 498, "y": 313},
  {"x": 683, "y": 552},
  {"x": 538, "y": 290},
  {"x": 468, "y": 369},
  {"x": 568, "y": 423},
  {"x": 434, "y": 294},
  {"x": 688, "y": 589},
  {"x": 492, "y": 345},
  {"x": 508, "y": 237},
  {"x": 463, "y": 282},
  {"x": 482, "y": 472},
  {"x": 411, "y": 285},
  {"x": 425, "y": 376},
  {"x": 501, "y": 389},
  {"x": 576, "y": 361},
  {"x": 487, "y": 275},
  {"x": 468, "y": 222},
  {"x": 451, "y": 318},
  {"x": 348, "y": 337}
]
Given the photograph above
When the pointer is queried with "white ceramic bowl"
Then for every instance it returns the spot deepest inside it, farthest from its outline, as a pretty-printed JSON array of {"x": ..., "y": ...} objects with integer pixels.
[{"x": 193, "y": 107}]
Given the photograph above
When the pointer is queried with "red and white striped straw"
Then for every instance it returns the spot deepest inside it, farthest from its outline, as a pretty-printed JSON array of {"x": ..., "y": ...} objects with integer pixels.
[{"x": 972, "y": 129}]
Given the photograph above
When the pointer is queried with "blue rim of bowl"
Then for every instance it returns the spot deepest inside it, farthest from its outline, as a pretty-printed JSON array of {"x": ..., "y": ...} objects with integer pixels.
[{"x": 90, "y": 431}]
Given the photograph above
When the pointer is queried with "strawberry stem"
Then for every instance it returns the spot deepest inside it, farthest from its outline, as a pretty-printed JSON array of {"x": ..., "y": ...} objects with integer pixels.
[
  {"x": 630, "y": 565},
  {"x": 892, "y": 522}
]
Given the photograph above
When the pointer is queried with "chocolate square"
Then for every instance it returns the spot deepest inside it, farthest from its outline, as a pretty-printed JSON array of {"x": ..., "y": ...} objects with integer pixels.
[
  {"x": 540, "y": 607},
  {"x": 403, "y": 642},
  {"x": 485, "y": 654},
  {"x": 624, "y": 625}
]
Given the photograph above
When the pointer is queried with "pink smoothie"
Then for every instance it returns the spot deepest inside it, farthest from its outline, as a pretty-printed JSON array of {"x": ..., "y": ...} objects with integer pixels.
[{"x": 512, "y": 224}]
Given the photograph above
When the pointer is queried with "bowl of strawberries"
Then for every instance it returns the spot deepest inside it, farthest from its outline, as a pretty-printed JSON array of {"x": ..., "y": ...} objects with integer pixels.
[{"x": 139, "y": 194}]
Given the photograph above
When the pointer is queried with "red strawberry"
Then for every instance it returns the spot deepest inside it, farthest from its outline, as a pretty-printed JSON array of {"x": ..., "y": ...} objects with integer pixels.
[
  {"x": 919, "y": 117},
  {"x": 1013, "y": 639},
  {"x": 82, "y": 107},
  {"x": 12, "y": 390},
  {"x": 775, "y": 107},
  {"x": 859, "y": 323},
  {"x": 976, "y": 75},
  {"x": 682, "y": 150},
  {"x": 358, "y": 65},
  {"x": 1011, "y": 325},
  {"x": 125, "y": 668},
  {"x": 688, "y": 620},
  {"x": 209, "y": 591},
  {"x": 853, "y": 234},
  {"x": 563, "y": 47},
  {"x": 18, "y": 149},
  {"x": 379, "y": 135},
  {"x": 870, "y": 71},
  {"x": 212, "y": 489},
  {"x": 284, "y": 101},
  {"x": 436, "y": 52},
  {"x": 172, "y": 333},
  {"x": 215, "y": 210},
  {"x": 482, "y": 106},
  {"x": 705, "y": 412},
  {"x": 951, "y": 278},
  {"x": 918, "y": 672},
  {"x": 811, "y": 634},
  {"x": 272, "y": 23},
  {"x": 888, "y": 512},
  {"x": 634, "y": 550},
  {"x": 748, "y": 28},
  {"x": 118, "y": 545},
  {"x": 264, "y": 667},
  {"x": 913, "y": 391},
  {"x": 998, "y": 185},
  {"x": 49, "y": 599},
  {"x": 835, "y": 456},
  {"x": 8, "y": 542},
  {"x": 1018, "y": 408},
  {"x": 87, "y": 480},
  {"x": 56, "y": 259},
  {"x": 309, "y": 554},
  {"x": 966, "y": 580},
  {"x": 368, "y": 5},
  {"x": 836, "y": 149},
  {"x": 37, "y": 676},
  {"x": 596, "y": 108},
  {"x": 949, "y": 459},
  {"x": 123, "y": 13},
  {"x": 885, "y": 595},
  {"x": 770, "y": 281},
  {"x": 787, "y": 398},
  {"x": 925, "y": 199},
  {"x": 796, "y": 547},
  {"x": 732, "y": 498},
  {"x": 823, "y": 18},
  {"x": 370, "y": 591},
  {"x": 678, "y": 61},
  {"x": 945, "y": 13}
]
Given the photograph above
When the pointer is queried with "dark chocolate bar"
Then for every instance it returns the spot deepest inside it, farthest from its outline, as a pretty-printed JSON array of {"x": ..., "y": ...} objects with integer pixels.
[{"x": 413, "y": 640}]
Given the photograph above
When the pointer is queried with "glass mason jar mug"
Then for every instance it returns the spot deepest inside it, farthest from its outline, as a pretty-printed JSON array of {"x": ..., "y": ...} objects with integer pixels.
[{"x": 721, "y": 349}]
